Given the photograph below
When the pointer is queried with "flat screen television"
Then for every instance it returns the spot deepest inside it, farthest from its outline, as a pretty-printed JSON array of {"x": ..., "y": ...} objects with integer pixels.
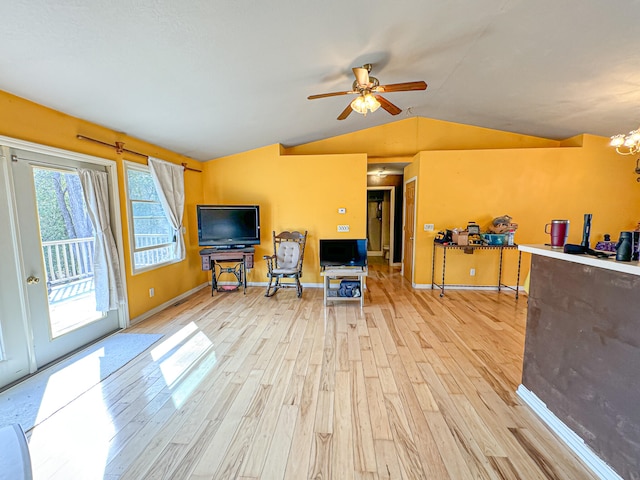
[
  {"x": 228, "y": 226},
  {"x": 343, "y": 252}
]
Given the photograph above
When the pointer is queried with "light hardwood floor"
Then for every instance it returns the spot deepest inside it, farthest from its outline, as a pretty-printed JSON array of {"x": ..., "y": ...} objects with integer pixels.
[{"x": 413, "y": 386}]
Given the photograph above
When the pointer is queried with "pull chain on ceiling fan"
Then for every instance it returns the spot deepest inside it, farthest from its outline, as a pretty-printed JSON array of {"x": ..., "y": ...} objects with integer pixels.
[{"x": 368, "y": 89}]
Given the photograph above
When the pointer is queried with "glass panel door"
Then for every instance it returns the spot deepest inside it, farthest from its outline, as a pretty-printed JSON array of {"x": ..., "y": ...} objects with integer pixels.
[
  {"x": 67, "y": 239},
  {"x": 56, "y": 238}
]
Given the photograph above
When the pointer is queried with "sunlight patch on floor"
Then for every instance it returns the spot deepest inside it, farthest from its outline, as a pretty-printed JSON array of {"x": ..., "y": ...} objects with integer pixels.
[
  {"x": 66, "y": 381},
  {"x": 174, "y": 366},
  {"x": 177, "y": 356},
  {"x": 173, "y": 341},
  {"x": 86, "y": 430}
]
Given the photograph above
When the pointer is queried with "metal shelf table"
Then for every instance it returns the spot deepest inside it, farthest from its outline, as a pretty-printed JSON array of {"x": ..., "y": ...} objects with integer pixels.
[{"x": 470, "y": 249}]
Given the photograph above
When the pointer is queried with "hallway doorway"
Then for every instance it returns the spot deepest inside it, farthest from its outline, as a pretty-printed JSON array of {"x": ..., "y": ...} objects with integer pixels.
[{"x": 380, "y": 222}]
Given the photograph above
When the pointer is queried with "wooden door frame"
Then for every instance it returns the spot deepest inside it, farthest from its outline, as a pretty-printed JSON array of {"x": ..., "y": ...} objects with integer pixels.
[
  {"x": 404, "y": 219},
  {"x": 392, "y": 215}
]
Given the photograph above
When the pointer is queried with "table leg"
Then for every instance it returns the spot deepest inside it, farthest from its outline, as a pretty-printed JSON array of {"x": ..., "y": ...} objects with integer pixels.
[
  {"x": 244, "y": 275},
  {"x": 444, "y": 263},
  {"x": 326, "y": 287},
  {"x": 518, "y": 281},
  {"x": 500, "y": 271},
  {"x": 214, "y": 283},
  {"x": 433, "y": 266}
]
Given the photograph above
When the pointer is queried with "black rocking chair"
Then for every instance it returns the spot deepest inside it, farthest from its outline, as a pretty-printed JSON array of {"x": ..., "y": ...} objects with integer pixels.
[{"x": 286, "y": 262}]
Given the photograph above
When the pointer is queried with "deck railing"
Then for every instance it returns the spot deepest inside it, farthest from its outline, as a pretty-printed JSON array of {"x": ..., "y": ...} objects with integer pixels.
[
  {"x": 153, "y": 256},
  {"x": 69, "y": 260}
]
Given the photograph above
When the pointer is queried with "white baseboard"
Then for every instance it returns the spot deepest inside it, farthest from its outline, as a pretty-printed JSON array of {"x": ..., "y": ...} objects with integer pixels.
[
  {"x": 166, "y": 304},
  {"x": 427, "y": 286},
  {"x": 568, "y": 436}
]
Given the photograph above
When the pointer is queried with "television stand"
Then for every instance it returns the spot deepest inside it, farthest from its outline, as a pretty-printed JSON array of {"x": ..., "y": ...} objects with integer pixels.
[
  {"x": 229, "y": 261},
  {"x": 337, "y": 274}
]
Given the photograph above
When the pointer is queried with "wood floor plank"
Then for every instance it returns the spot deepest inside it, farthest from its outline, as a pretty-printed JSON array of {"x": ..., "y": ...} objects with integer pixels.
[
  {"x": 363, "y": 448},
  {"x": 412, "y": 386},
  {"x": 303, "y": 435},
  {"x": 343, "y": 435}
]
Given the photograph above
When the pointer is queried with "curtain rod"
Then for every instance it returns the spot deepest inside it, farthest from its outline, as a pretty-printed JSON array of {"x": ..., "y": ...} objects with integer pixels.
[{"x": 119, "y": 147}]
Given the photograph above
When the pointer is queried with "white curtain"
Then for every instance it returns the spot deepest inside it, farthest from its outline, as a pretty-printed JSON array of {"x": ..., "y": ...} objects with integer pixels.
[
  {"x": 169, "y": 181},
  {"x": 106, "y": 264}
]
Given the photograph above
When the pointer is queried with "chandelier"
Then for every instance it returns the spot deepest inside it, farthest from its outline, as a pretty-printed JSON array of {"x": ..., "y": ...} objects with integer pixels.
[
  {"x": 365, "y": 103},
  {"x": 628, "y": 144}
]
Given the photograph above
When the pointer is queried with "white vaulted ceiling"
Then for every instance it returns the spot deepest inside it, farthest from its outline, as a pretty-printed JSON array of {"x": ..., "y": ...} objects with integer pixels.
[{"x": 208, "y": 78}]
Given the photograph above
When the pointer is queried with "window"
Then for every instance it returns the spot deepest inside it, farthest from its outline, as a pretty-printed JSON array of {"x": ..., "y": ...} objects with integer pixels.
[{"x": 151, "y": 236}]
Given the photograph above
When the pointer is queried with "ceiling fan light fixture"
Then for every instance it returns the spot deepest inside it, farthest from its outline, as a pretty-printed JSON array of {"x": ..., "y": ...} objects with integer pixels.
[
  {"x": 627, "y": 144},
  {"x": 365, "y": 103}
]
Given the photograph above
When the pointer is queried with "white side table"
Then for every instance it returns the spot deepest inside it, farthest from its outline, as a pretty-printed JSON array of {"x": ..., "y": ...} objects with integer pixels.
[{"x": 337, "y": 274}]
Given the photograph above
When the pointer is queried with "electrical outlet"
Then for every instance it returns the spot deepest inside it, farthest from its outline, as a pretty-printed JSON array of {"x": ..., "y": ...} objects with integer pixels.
[
  {"x": 472, "y": 272},
  {"x": 152, "y": 292},
  {"x": 428, "y": 227},
  {"x": 343, "y": 228},
  {"x": 342, "y": 210}
]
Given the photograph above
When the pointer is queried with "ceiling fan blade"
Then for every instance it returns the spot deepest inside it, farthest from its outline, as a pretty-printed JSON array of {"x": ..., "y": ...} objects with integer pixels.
[
  {"x": 362, "y": 75},
  {"x": 332, "y": 94},
  {"x": 387, "y": 105},
  {"x": 345, "y": 113},
  {"x": 402, "y": 87}
]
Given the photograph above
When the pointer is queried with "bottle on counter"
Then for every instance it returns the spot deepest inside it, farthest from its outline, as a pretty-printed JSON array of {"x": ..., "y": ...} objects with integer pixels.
[
  {"x": 586, "y": 230},
  {"x": 511, "y": 237},
  {"x": 623, "y": 247}
]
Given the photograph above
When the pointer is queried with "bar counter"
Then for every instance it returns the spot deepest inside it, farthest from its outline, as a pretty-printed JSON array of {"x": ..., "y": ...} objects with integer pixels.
[{"x": 581, "y": 369}]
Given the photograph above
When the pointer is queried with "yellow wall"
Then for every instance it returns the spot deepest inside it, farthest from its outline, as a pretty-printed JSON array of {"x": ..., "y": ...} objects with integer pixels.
[
  {"x": 29, "y": 121},
  {"x": 534, "y": 186},
  {"x": 470, "y": 173},
  {"x": 464, "y": 173},
  {"x": 405, "y": 138},
  {"x": 295, "y": 192}
]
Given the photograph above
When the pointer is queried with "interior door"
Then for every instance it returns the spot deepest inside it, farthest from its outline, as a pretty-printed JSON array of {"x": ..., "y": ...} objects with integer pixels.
[
  {"x": 409, "y": 229},
  {"x": 56, "y": 257}
]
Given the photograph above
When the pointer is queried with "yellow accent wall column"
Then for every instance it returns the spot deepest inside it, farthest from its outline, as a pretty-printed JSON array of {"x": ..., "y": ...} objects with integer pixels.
[{"x": 295, "y": 192}]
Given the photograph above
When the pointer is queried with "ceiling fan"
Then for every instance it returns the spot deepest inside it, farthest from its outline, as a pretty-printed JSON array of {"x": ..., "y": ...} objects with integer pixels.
[{"x": 368, "y": 89}]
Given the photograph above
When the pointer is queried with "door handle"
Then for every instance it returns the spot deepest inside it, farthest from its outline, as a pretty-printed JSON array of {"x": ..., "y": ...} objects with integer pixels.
[{"x": 31, "y": 280}]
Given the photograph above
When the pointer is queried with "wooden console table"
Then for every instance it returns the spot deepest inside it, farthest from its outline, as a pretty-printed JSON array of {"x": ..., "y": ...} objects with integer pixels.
[
  {"x": 470, "y": 249},
  {"x": 343, "y": 273},
  {"x": 234, "y": 261}
]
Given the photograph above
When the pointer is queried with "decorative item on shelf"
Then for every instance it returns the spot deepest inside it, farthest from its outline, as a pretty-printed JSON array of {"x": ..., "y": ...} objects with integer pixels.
[
  {"x": 494, "y": 238},
  {"x": 460, "y": 237},
  {"x": 473, "y": 228},
  {"x": 445, "y": 237},
  {"x": 606, "y": 245},
  {"x": 502, "y": 224},
  {"x": 475, "y": 239}
]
